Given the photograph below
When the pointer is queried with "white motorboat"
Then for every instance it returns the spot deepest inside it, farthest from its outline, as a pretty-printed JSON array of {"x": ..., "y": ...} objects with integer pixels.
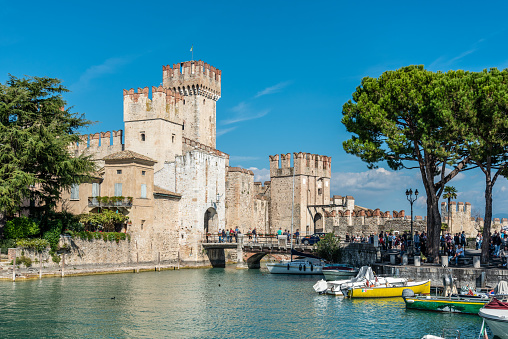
[
  {"x": 339, "y": 271},
  {"x": 495, "y": 313},
  {"x": 307, "y": 266},
  {"x": 365, "y": 276}
]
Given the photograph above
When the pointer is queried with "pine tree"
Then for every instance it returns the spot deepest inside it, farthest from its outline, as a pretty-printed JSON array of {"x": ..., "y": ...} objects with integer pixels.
[{"x": 36, "y": 131}]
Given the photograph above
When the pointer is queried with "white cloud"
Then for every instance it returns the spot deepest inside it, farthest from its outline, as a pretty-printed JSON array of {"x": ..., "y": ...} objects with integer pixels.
[
  {"x": 261, "y": 175},
  {"x": 109, "y": 66},
  {"x": 442, "y": 61},
  {"x": 273, "y": 89},
  {"x": 224, "y": 131},
  {"x": 378, "y": 179},
  {"x": 243, "y": 112}
]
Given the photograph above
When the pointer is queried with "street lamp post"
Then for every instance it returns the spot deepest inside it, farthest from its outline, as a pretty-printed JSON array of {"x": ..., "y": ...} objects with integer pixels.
[{"x": 409, "y": 196}]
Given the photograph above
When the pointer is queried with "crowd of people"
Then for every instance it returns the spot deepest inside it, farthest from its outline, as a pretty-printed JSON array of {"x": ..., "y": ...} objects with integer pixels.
[
  {"x": 498, "y": 245},
  {"x": 390, "y": 240}
]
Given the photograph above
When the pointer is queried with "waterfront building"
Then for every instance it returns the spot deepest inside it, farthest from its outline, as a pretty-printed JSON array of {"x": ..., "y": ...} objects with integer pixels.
[{"x": 163, "y": 170}]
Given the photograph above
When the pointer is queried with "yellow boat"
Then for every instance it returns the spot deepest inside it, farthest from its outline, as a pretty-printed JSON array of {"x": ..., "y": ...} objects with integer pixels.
[{"x": 384, "y": 291}]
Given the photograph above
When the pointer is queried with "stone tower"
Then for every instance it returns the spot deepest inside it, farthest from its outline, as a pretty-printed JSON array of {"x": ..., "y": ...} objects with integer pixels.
[
  {"x": 312, "y": 174},
  {"x": 199, "y": 84},
  {"x": 153, "y": 127}
]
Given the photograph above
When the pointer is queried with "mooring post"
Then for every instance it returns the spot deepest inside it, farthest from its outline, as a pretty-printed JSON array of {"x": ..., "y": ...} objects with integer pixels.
[
  {"x": 159, "y": 261},
  {"x": 40, "y": 265},
  {"x": 14, "y": 265},
  {"x": 63, "y": 264}
]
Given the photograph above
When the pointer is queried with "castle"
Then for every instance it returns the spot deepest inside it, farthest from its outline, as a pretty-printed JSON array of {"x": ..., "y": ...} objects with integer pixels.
[{"x": 176, "y": 187}]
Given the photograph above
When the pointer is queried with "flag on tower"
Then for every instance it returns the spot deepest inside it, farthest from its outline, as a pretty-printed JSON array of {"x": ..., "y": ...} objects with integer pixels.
[{"x": 191, "y": 49}]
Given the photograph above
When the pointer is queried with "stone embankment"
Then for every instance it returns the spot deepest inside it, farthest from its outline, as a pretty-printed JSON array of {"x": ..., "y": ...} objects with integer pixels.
[
  {"x": 466, "y": 276},
  {"x": 30, "y": 273}
]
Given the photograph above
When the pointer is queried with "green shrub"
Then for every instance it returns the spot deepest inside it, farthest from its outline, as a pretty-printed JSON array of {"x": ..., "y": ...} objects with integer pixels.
[
  {"x": 37, "y": 244},
  {"x": 56, "y": 258},
  {"x": 5, "y": 244},
  {"x": 21, "y": 227},
  {"x": 328, "y": 248},
  {"x": 106, "y": 236},
  {"x": 53, "y": 235},
  {"x": 23, "y": 260}
]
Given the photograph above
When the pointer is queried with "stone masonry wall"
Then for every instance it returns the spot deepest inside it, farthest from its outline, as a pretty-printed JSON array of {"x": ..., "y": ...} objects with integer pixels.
[{"x": 239, "y": 198}]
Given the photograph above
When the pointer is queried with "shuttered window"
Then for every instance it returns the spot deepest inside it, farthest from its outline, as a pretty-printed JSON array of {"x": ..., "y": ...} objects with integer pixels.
[
  {"x": 95, "y": 190},
  {"x": 75, "y": 192},
  {"x": 118, "y": 190},
  {"x": 143, "y": 191}
]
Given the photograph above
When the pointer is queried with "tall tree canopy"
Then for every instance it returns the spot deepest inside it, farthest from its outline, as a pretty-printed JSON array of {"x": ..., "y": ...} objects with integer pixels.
[
  {"x": 35, "y": 135},
  {"x": 407, "y": 118},
  {"x": 484, "y": 110}
]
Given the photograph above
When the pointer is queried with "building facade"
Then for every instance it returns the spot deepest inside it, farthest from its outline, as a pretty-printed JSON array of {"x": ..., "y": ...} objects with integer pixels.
[{"x": 163, "y": 171}]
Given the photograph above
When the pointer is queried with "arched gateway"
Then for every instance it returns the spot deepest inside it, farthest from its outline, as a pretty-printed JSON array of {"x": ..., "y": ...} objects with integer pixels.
[
  {"x": 211, "y": 221},
  {"x": 318, "y": 223}
]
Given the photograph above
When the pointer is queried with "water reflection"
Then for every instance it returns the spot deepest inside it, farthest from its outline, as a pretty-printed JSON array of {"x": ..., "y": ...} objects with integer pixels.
[{"x": 207, "y": 303}]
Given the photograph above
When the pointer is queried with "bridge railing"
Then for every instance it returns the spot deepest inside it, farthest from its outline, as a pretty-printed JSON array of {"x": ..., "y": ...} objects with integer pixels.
[
  {"x": 214, "y": 238},
  {"x": 258, "y": 241}
]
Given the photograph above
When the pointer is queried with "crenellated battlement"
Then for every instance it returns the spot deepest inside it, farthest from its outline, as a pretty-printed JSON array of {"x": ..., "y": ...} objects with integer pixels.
[
  {"x": 99, "y": 144},
  {"x": 240, "y": 170},
  {"x": 165, "y": 104},
  {"x": 193, "y": 78},
  {"x": 303, "y": 163},
  {"x": 460, "y": 219},
  {"x": 189, "y": 145}
]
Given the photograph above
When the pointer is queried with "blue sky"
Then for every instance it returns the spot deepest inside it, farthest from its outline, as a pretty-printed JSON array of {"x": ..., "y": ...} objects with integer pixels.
[{"x": 287, "y": 69}]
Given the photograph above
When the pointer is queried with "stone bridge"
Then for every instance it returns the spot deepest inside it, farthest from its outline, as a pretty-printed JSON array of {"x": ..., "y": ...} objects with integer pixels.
[
  {"x": 356, "y": 254},
  {"x": 217, "y": 257}
]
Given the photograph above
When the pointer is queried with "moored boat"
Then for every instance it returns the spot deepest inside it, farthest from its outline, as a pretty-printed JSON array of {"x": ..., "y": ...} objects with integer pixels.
[
  {"x": 304, "y": 264},
  {"x": 364, "y": 276},
  {"x": 299, "y": 266},
  {"x": 495, "y": 313},
  {"x": 388, "y": 290},
  {"x": 454, "y": 304},
  {"x": 339, "y": 271}
]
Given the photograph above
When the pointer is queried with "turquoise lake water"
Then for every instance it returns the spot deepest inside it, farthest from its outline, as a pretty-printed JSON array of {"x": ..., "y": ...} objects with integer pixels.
[{"x": 191, "y": 304}]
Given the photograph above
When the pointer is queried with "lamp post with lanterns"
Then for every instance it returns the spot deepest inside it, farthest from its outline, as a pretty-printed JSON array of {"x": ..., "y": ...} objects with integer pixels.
[{"x": 409, "y": 196}]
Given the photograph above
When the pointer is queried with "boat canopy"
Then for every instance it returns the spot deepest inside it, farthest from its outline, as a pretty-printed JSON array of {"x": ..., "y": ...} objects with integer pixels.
[
  {"x": 501, "y": 288},
  {"x": 364, "y": 273},
  {"x": 301, "y": 254}
]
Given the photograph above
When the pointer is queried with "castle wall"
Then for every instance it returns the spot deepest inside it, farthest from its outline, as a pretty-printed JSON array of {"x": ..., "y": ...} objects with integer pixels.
[
  {"x": 239, "y": 199},
  {"x": 461, "y": 219},
  {"x": 312, "y": 174},
  {"x": 153, "y": 127},
  {"x": 99, "y": 145},
  {"x": 260, "y": 215},
  {"x": 198, "y": 176},
  {"x": 363, "y": 225}
]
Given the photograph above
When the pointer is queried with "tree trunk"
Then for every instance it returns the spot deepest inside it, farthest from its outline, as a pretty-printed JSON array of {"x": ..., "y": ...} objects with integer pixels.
[
  {"x": 433, "y": 215},
  {"x": 488, "y": 217}
]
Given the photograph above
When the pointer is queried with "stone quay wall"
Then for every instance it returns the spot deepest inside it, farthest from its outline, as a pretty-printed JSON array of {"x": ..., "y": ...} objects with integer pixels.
[
  {"x": 358, "y": 254},
  {"x": 465, "y": 276},
  {"x": 81, "y": 252}
]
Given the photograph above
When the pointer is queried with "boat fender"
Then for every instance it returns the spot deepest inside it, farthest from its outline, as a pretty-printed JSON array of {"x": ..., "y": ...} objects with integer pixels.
[
  {"x": 300, "y": 267},
  {"x": 311, "y": 268},
  {"x": 367, "y": 283},
  {"x": 288, "y": 267},
  {"x": 408, "y": 293},
  {"x": 304, "y": 268}
]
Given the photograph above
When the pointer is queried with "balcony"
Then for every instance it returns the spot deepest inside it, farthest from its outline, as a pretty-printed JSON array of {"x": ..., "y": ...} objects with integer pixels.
[{"x": 110, "y": 202}]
